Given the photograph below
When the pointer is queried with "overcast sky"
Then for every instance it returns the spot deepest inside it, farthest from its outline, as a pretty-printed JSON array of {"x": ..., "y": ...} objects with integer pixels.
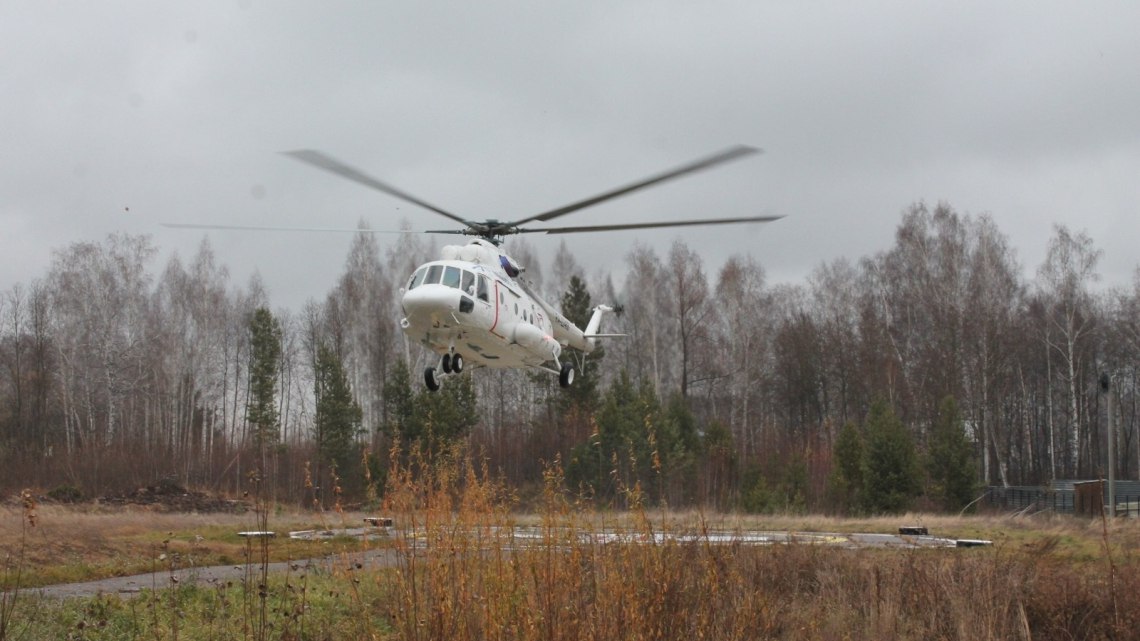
[{"x": 117, "y": 116}]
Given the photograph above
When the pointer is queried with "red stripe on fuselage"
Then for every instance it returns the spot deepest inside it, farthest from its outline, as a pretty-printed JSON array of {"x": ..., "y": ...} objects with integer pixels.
[{"x": 497, "y": 305}]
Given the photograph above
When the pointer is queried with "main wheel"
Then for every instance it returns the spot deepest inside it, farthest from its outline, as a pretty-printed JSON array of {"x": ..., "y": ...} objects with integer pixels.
[
  {"x": 430, "y": 380},
  {"x": 456, "y": 364},
  {"x": 446, "y": 363},
  {"x": 566, "y": 376}
]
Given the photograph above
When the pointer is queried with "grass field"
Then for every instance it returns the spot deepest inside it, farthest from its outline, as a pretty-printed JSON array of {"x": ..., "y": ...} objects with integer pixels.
[
  {"x": 458, "y": 575},
  {"x": 82, "y": 543}
]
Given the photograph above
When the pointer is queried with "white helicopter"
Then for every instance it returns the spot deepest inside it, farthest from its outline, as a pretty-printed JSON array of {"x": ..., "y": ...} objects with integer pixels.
[{"x": 472, "y": 307}]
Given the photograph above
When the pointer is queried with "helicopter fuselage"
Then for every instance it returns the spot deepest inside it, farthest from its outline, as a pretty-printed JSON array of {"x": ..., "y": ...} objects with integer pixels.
[{"x": 468, "y": 304}]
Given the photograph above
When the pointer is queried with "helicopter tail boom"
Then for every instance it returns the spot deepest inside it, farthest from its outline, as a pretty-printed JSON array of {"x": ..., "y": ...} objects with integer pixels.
[{"x": 591, "y": 334}]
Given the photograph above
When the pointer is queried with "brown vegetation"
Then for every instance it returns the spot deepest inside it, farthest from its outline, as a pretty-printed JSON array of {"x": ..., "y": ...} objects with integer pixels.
[
  {"x": 1045, "y": 579},
  {"x": 463, "y": 572}
]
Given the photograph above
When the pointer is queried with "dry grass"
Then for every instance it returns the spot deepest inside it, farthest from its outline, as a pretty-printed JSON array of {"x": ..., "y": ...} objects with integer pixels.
[
  {"x": 462, "y": 573},
  {"x": 462, "y": 576},
  {"x": 81, "y": 543}
]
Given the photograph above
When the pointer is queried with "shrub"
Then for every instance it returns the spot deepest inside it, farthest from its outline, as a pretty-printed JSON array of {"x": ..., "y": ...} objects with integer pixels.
[{"x": 65, "y": 494}]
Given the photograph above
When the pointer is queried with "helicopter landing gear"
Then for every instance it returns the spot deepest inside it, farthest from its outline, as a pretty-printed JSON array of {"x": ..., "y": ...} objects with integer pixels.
[
  {"x": 430, "y": 380},
  {"x": 451, "y": 364},
  {"x": 566, "y": 375}
]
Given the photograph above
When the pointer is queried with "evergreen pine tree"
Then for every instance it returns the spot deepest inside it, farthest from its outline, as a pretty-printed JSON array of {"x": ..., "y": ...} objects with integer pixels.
[
  {"x": 594, "y": 464},
  {"x": 338, "y": 416},
  {"x": 265, "y": 355},
  {"x": 577, "y": 307},
  {"x": 679, "y": 446},
  {"x": 950, "y": 460},
  {"x": 891, "y": 476},
  {"x": 399, "y": 401},
  {"x": 428, "y": 420},
  {"x": 444, "y": 417}
]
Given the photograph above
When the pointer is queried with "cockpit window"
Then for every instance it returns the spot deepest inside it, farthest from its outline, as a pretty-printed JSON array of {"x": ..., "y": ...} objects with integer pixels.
[
  {"x": 433, "y": 273},
  {"x": 468, "y": 285},
  {"x": 451, "y": 277},
  {"x": 417, "y": 278}
]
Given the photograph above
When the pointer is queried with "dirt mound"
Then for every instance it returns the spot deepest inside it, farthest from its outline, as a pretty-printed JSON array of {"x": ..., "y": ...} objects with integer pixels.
[{"x": 168, "y": 496}]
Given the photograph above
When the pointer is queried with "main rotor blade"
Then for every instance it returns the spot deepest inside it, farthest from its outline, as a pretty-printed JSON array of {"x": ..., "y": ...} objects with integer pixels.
[
  {"x": 322, "y": 161},
  {"x": 731, "y": 153},
  {"x": 673, "y": 223},
  {"x": 341, "y": 230},
  {"x": 453, "y": 232}
]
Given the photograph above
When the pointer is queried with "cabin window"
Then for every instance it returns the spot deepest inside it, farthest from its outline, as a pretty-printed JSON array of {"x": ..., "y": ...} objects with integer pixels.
[
  {"x": 417, "y": 278},
  {"x": 433, "y": 273},
  {"x": 483, "y": 289},
  {"x": 451, "y": 277},
  {"x": 468, "y": 285}
]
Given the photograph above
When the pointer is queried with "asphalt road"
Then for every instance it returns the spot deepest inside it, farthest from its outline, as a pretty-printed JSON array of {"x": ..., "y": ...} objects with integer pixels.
[{"x": 215, "y": 575}]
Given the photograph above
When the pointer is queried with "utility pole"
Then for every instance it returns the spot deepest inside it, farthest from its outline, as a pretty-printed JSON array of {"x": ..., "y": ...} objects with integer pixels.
[{"x": 1106, "y": 390}]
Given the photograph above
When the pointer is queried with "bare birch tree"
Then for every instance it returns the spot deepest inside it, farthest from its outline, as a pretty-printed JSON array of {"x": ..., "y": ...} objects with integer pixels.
[{"x": 1063, "y": 281}]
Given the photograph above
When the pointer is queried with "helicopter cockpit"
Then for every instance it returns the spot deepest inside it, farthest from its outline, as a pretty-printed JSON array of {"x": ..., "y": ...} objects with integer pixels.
[{"x": 452, "y": 276}]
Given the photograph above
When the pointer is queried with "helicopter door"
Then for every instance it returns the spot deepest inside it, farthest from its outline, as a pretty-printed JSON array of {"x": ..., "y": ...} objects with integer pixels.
[
  {"x": 499, "y": 300},
  {"x": 482, "y": 295}
]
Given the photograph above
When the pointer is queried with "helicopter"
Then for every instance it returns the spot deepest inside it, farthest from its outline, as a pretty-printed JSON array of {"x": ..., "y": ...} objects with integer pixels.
[{"x": 472, "y": 306}]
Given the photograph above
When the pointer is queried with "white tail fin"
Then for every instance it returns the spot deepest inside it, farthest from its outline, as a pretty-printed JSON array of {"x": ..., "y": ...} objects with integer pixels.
[{"x": 596, "y": 322}]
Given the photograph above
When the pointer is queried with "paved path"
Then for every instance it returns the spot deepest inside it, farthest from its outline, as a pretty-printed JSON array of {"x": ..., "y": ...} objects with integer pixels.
[
  {"x": 130, "y": 585},
  {"x": 522, "y": 536}
]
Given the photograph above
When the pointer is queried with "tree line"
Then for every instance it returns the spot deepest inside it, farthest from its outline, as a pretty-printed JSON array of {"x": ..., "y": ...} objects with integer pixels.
[{"x": 911, "y": 377}]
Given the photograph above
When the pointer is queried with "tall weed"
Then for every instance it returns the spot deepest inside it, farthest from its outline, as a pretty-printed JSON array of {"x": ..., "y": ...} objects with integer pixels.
[
  {"x": 467, "y": 570},
  {"x": 462, "y": 564}
]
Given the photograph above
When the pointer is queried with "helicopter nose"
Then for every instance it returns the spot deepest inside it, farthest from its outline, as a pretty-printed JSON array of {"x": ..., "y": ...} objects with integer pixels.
[{"x": 430, "y": 300}]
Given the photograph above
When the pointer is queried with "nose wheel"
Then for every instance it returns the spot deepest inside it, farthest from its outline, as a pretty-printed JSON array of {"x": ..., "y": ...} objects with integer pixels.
[
  {"x": 449, "y": 364},
  {"x": 566, "y": 375}
]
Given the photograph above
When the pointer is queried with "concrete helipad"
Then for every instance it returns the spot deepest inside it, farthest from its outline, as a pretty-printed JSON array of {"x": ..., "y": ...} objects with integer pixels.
[
  {"x": 511, "y": 538},
  {"x": 750, "y": 537}
]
